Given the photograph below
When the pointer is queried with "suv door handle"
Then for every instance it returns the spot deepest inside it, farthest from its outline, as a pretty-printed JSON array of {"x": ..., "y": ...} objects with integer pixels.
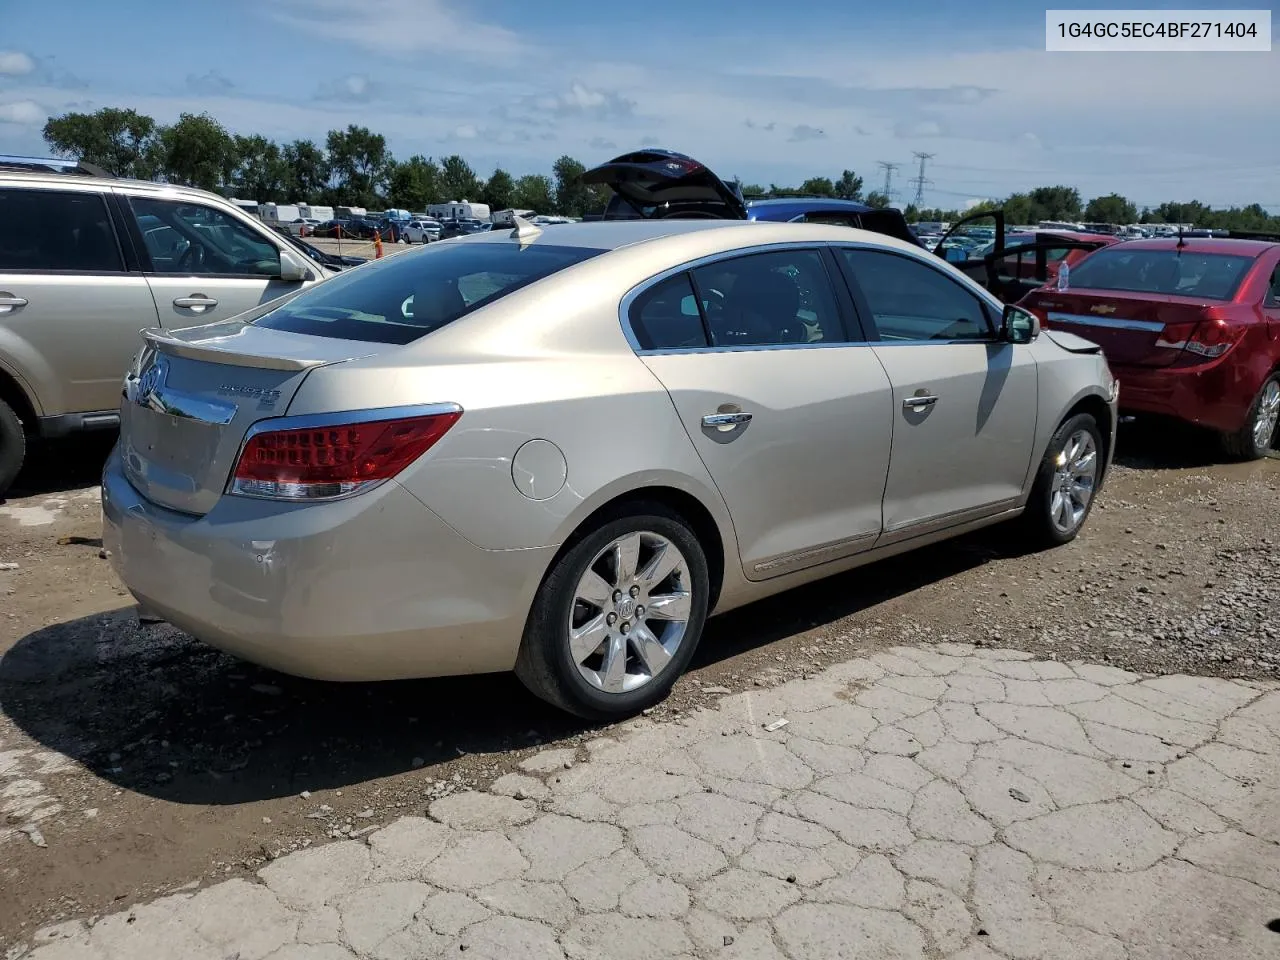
[
  {"x": 9, "y": 304},
  {"x": 197, "y": 302},
  {"x": 919, "y": 402},
  {"x": 725, "y": 419}
]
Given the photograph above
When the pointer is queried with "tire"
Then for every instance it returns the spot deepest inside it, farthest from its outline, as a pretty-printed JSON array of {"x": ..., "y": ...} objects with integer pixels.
[
  {"x": 547, "y": 663},
  {"x": 1259, "y": 433},
  {"x": 13, "y": 446},
  {"x": 1048, "y": 521}
]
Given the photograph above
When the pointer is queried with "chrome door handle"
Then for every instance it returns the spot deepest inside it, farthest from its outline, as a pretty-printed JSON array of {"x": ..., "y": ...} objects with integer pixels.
[
  {"x": 917, "y": 403},
  {"x": 200, "y": 302},
  {"x": 8, "y": 304},
  {"x": 725, "y": 419}
]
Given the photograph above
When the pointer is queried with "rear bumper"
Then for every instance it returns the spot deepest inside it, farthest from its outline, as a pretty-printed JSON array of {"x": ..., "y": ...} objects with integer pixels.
[
  {"x": 376, "y": 587},
  {"x": 1216, "y": 396}
]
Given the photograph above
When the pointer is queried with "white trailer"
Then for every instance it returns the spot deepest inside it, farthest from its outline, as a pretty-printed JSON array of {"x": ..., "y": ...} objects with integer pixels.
[
  {"x": 278, "y": 214},
  {"x": 314, "y": 212},
  {"x": 459, "y": 210}
]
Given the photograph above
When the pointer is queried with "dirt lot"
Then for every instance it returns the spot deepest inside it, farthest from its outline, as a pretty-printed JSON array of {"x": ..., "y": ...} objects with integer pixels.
[{"x": 134, "y": 760}]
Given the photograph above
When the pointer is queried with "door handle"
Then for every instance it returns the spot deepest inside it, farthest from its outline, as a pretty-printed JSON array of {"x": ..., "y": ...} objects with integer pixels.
[
  {"x": 9, "y": 304},
  {"x": 919, "y": 403},
  {"x": 725, "y": 419},
  {"x": 195, "y": 302}
]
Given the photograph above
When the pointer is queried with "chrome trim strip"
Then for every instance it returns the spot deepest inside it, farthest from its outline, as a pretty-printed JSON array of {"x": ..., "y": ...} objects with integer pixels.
[
  {"x": 915, "y": 528},
  {"x": 1080, "y": 319},
  {"x": 765, "y": 566},
  {"x": 318, "y": 420}
]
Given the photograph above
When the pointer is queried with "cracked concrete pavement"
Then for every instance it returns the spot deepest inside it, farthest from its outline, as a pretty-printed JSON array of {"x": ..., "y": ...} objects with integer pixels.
[{"x": 943, "y": 801}]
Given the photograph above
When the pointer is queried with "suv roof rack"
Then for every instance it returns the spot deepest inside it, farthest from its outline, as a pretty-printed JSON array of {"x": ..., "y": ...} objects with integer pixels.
[{"x": 52, "y": 165}]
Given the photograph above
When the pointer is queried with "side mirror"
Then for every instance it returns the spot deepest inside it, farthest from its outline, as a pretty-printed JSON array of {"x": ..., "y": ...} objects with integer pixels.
[
  {"x": 292, "y": 269},
  {"x": 1018, "y": 325}
]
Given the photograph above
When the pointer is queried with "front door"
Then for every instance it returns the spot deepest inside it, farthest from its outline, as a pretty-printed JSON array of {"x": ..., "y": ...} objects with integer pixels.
[
  {"x": 205, "y": 264},
  {"x": 969, "y": 240},
  {"x": 70, "y": 309},
  {"x": 792, "y": 422},
  {"x": 964, "y": 403}
]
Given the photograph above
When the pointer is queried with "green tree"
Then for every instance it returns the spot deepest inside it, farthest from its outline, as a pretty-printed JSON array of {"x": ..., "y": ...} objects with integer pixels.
[
  {"x": 120, "y": 141},
  {"x": 573, "y": 197},
  {"x": 358, "y": 165},
  {"x": 1112, "y": 208},
  {"x": 1020, "y": 209},
  {"x": 458, "y": 181},
  {"x": 308, "y": 171},
  {"x": 877, "y": 199},
  {"x": 498, "y": 190},
  {"x": 819, "y": 186},
  {"x": 261, "y": 172},
  {"x": 198, "y": 152},
  {"x": 534, "y": 191},
  {"x": 414, "y": 184},
  {"x": 1057, "y": 203},
  {"x": 849, "y": 186}
]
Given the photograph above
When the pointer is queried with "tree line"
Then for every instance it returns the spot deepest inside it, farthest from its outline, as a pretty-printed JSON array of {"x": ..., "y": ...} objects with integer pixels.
[{"x": 353, "y": 167}]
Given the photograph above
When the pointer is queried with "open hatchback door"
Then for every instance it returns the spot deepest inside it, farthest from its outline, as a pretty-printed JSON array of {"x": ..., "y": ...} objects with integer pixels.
[{"x": 661, "y": 183}]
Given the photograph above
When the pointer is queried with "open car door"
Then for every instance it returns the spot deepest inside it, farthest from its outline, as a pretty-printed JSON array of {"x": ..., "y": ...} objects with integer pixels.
[
  {"x": 657, "y": 184},
  {"x": 1014, "y": 271},
  {"x": 964, "y": 245}
]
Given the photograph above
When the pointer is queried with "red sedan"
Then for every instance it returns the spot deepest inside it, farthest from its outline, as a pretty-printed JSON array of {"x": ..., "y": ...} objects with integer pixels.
[{"x": 1190, "y": 327}]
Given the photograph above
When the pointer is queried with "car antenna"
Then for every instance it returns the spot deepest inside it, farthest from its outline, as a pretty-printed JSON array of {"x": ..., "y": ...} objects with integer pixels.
[
  {"x": 1182, "y": 242},
  {"x": 524, "y": 230}
]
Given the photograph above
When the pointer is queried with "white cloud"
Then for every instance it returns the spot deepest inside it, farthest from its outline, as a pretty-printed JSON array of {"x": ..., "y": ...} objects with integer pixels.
[
  {"x": 15, "y": 63},
  {"x": 353, "y": 88},
  {"x": 398, "y": 26},
  {"x": 465, "y": 131},
  {"x": 804, "y": 132},
  {"x": 22, "y": 112},
  {"x": 919, "y": 129}
]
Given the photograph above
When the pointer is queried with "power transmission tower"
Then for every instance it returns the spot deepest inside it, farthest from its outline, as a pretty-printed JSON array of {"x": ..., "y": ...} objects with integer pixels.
[
  {"x": 888, "y": 176},
  {"x": 920, "y": 181}
]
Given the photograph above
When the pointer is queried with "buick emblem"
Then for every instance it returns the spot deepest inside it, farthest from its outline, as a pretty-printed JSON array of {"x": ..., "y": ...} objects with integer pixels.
[{"x": 151, "y": 380}]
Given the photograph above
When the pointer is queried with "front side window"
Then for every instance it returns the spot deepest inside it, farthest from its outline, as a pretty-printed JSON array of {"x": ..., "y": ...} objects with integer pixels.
[
  {"x": 57, "y": 230},
  {"x": 912, "y": 301},
  {"x": 1183, "y": 273},
  {"x": 402, "y": 298},
  {"x": 195, "y": 240},
  {"x": 776, "y": 298}
]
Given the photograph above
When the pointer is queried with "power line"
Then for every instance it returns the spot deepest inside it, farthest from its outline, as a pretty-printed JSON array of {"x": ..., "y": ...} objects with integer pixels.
[
  {"x": 920, "y": 180},
  {"x": 888, "y": 176}
]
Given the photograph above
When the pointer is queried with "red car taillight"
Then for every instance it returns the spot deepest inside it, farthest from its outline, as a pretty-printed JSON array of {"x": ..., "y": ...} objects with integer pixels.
[
  {"x": 1208, "y": 337},
  {"x": 335, "y": 460}
]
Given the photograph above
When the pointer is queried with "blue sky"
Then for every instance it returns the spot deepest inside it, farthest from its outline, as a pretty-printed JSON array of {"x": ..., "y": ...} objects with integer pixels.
[{"x": 768, "y": 92}]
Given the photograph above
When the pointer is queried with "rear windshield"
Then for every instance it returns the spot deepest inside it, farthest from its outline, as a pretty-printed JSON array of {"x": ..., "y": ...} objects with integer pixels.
[
  {"x": 1205, "y": 276},
  {"x": 404, "y": 297}
]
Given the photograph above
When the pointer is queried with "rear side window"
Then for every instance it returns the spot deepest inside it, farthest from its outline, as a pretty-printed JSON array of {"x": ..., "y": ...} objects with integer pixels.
[
  {"x": 666, "y": 317},
  {"x": 55, "y": 230},
  {"x": 1206, "y": 276},
  {"x": 782, "y": 298},
  {"x": 402, "y": 298}
]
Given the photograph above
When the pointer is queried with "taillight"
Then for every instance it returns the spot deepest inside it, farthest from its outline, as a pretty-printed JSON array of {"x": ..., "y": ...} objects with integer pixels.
[
  {"x": 1210, "y": 337},
  {"x": 323, "y": 462}
]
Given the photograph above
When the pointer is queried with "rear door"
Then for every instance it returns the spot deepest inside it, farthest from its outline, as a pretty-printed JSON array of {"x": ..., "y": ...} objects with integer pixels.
[
  {"x": 964, "y": 245},
  {"x": 964, "y": 403},
  {"x": 202, "y": 263},
  {"x": 70, "y": 307},
  {"x": 1019, "y": 268},
  {"x": 791, "y": 419}
]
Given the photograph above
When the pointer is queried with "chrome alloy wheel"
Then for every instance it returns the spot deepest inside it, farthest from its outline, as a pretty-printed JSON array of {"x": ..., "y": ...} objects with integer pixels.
[
  {"x": 1075, "y": 477},
  {"x": 1264, "y": 427},
  {"x": 630, "y": 612}
]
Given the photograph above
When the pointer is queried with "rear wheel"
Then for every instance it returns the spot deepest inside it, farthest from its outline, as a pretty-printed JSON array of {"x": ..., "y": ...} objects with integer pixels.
[
  {"x": 1258, "y": 435},
  {"x": 13, "y": 446},
  {"x": 618, "y": 617},
  {"x": 1065, "y": 485}
]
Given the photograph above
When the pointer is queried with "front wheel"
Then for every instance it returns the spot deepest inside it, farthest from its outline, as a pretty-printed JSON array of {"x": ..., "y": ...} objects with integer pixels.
[
  {"x": 1066, "y": 483},
  {"x": 1256, "y": 437},
  {"x": 618, "y": 616}
]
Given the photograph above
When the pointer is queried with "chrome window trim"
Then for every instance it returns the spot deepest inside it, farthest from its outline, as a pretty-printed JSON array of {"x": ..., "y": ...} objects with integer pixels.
[
  {"x": 307, "y": 421},
  {"x": 629, "y": 298}
]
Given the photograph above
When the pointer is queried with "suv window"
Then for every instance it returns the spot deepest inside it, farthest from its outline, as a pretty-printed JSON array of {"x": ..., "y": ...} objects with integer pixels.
[
  {"x": 666, "y": 316},
  {"x": 401, "y": 299},
  {"x": 55, "y": 230},
  {"x": 782, "y": 297},
  {"x": 912, "y": 301},
  {"x": 192, "y": 239}
]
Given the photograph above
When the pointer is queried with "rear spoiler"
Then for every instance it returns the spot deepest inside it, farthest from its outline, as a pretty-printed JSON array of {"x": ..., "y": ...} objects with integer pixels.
[{"x": 216, "y": 345}]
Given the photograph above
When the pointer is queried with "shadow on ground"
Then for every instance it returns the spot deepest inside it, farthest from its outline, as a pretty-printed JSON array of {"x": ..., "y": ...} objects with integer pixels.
[
  {"x": 54, "y": 466},
  {"x": 154, "y": 711}
]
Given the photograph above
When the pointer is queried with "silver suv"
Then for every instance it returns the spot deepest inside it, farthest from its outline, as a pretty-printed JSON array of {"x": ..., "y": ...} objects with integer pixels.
[{"x": 86, "y": 261}]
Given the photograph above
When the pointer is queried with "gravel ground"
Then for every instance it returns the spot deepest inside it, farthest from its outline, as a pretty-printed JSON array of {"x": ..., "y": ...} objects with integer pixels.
[{"x": 133, "y": 759}]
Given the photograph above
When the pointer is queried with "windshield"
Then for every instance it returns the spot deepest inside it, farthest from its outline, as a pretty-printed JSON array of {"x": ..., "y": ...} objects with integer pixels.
[
  {"x": 1206, "y": 276},
  {"x": 403, "y": 298}
]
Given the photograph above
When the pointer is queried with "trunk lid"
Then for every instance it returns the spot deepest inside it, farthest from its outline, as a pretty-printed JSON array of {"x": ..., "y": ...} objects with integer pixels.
[
  {"x": 196, "y": 392},
  {"x": 1130, "y": 327},
  {"x": 660, "y": 183}
]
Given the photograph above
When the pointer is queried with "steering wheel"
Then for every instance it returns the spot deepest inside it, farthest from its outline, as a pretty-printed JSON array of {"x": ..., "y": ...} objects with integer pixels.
[{"x": 192, "y": 257}]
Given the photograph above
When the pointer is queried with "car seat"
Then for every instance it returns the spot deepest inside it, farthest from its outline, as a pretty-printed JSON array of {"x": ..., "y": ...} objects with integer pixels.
[{"x": 761, "y": 308}]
